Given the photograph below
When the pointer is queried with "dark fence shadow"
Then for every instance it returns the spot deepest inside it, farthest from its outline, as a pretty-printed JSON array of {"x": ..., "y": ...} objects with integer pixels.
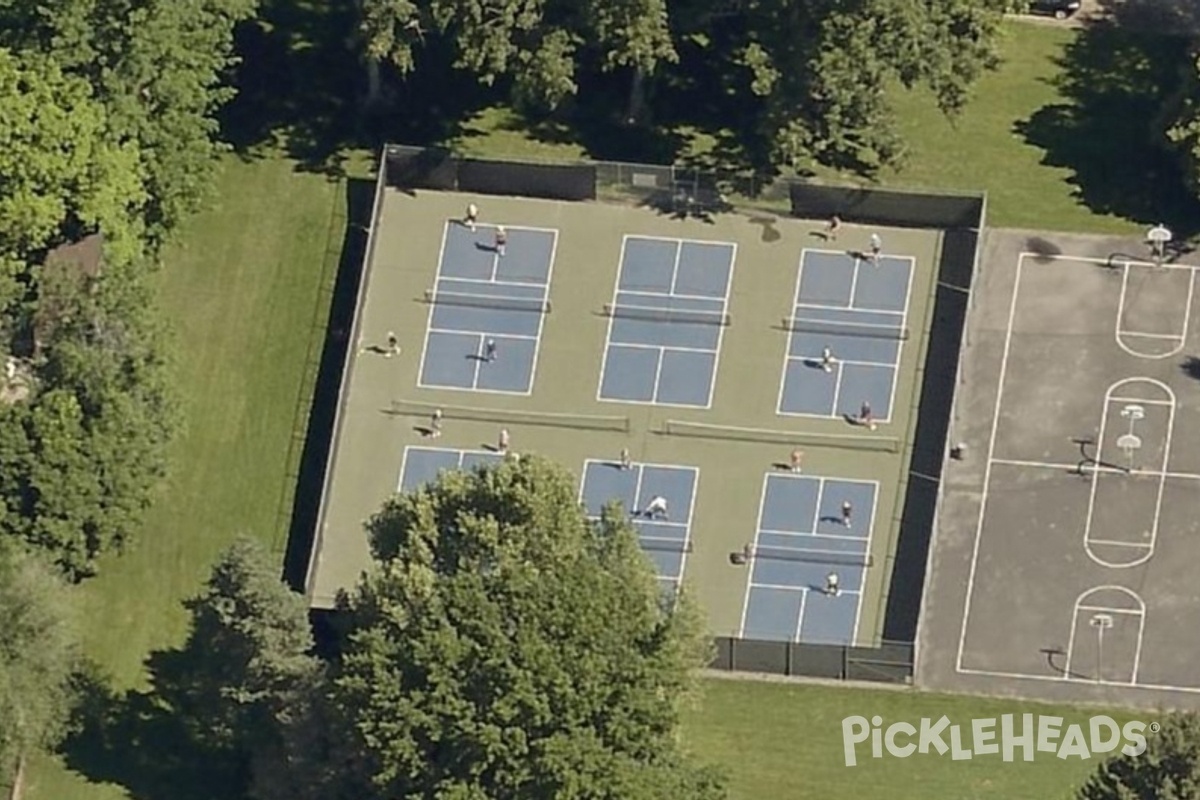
[
  {"x": 1109, "y": 133},
  {"x": 360, "y": 196},
  {"x": 955, "y": 276},
  {"x": 301, "y": 86}
]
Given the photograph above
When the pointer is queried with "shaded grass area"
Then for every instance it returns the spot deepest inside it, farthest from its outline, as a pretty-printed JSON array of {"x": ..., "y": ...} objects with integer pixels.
[
  {"x": 247, "y": 292},
  {"x": 1062, "y": 137},
  {"x": 785, "y": 740}
]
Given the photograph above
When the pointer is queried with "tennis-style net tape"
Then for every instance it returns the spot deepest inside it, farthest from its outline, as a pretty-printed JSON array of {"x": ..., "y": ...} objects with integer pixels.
[
  {"x": 828, "y": 328},
  {"x": 412, "y": 408},
  {"x": 875, "y": 444},
  {"x": 667, "y": 315},
  {"x": 535, "y": 305}
]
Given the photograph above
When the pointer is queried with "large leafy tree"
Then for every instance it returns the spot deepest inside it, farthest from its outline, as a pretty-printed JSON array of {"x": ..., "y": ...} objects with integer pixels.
[
  {"x": 80, "y": 458},
  {"x": 39, "y": 658},
  {"x": 822, "y": 69},
  {"x": 1168, "y": 770},
  {"x": 158, "y": 67},
  {"x": 506, "y": 647},
  {"x": 1183, "y": 131},
  {"x": 537, "y": 44},
  {"x": 49, "y": 191}
]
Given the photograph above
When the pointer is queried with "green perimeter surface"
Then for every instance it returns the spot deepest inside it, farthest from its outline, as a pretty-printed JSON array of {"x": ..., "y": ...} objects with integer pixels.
[
  {"x": 784, "y": 740},
  {"x": 408, "y": 240}
]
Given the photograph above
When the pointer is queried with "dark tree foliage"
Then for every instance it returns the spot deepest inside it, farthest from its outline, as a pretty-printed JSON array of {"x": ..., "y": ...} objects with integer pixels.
[
  {"x": 506, "y": 647},
  {"x": 1168, "y": 770}
]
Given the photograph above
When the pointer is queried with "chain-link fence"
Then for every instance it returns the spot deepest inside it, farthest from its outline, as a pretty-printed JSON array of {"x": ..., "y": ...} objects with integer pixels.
[
  {"x": 679, "y": 189},
  {"x": 889, "y": 662}
]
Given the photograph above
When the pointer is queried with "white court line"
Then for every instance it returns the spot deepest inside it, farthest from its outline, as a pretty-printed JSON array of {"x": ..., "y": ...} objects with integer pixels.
[
  {"x": 837, "y": 388},
  {"x": 460, "y": 453},
  {"x": 800, "y": 614},
  {"x": 987, "y": 469},
  {"x": 1089, "y": 467},
  {"x": 477, "y": 361},
  {"x": 537, "y": 345},
  {"x": 867, "y": 550},
  {"x": 675, "y": 266},
  {"x": 1150, "y": 687},
  {"x": 808, "y": 534},
  {"x": 494, "y": 334},
  {"x": 789, "y": 339},
  {"x": 611, "y": 320},
  {"x": 670, "y": 296},
  {"x": 1142, "y": 401},
  {"x": 712, "y": 380},
  {"x": 779, "y": 587},
  {"x": 1075, "y": 609},
  {"x": 1187, "y": 314},
  {"x": 1121, "y": 544},
  {"x": 1172, "y": 336},
  {"x": 1111, "y": 610},
  {"x": 1106, "y": 261},
  {"x": 912, "y": 269},
  {"x": 816, "y": 360},
  {"x": 639, "y": 346},
  {"x": 658, "y": 365},
  {"x": 859, "y": 309},
  {"x": 429, "y": 314},
  {"x": 687, "y": 529},
  {"x": 854, "y": 282},
  {"x": 750, "y": 564},
  {"x": 1162, "y": 481}
]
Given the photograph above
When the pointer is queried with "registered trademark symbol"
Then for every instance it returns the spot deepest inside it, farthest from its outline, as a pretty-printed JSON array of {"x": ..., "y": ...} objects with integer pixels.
[{"x": 1155, "y": 727}]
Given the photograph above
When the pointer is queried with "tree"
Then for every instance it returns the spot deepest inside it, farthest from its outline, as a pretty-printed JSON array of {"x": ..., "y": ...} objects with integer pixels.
[
  {"x": 39, "y": 658},
  {"x": 506, "y": 647},
  {"x": 1168, "y": 770},
  {"x": 50, "y": 192},
  {"x": 81, "y": 458},
  {"x": 822, "y": 69},
  {"x": 537, "y": 44},
  {"x": 1183, "y": 131},
  {"x": 157, "y": 66},
  {"x": 247, "y": 662}
]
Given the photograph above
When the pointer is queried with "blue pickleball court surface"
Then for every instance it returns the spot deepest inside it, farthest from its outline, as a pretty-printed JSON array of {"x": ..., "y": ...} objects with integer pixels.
[
  {"x": 665, "y": 541},
  {"x": 800, "y": 540},
  {"x": 663, "y": 341},
  {"x": 479, "y": 295},
  {"x": 421, "y": 465},
  {"x": 859, "y": 310}
]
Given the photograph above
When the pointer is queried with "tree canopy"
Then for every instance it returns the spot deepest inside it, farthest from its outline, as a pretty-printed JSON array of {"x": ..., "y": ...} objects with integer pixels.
[
  {"x": 811, "y": 77},
  {"x": 39, "y": 657},
  {"x": 1168, "y": 770},
  {"x": 507, "y": 647}
]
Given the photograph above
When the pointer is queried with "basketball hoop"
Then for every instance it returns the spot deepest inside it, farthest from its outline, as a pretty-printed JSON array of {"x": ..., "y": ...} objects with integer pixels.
[
  {"x": 1159, "y": 237},
  {"x": 1130, "y": 442}
]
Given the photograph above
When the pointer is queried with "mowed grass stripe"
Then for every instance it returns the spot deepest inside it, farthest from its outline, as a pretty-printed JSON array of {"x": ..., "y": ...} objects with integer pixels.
[{"x": 246, "y": 292}]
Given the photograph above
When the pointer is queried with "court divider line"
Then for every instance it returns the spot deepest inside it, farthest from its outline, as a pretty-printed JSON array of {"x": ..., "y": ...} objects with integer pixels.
[{"x": 987, "y": 470}]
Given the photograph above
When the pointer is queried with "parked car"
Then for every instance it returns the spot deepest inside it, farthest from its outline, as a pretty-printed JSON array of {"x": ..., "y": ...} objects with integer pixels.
[{"x": 1059, "y": 9}]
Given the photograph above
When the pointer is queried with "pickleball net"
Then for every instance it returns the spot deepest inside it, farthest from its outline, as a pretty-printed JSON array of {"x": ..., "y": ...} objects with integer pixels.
[
  {"x": 805, "y": 555},
  {"x": 509, "y": 416},
  {"x": 536, "y": 305},
  {"x": 687, "y": 315},
  {"x": 865, "y": 330},
  {"x": 847, "y": 441}
]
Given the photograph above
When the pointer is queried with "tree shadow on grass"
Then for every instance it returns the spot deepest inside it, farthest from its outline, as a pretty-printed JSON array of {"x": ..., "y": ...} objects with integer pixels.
[
  {"x": 1108, "y": 134},
  {"x": 301, "y": 88},
  {"x": 1167, "y": 17},
  {"x": 143, "y": 740}
]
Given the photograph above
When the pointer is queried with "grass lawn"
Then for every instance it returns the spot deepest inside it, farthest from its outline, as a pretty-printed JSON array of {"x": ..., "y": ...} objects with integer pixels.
[
  {"x": 779, "y": 740},
  {"x": 247, "y": 291}
]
